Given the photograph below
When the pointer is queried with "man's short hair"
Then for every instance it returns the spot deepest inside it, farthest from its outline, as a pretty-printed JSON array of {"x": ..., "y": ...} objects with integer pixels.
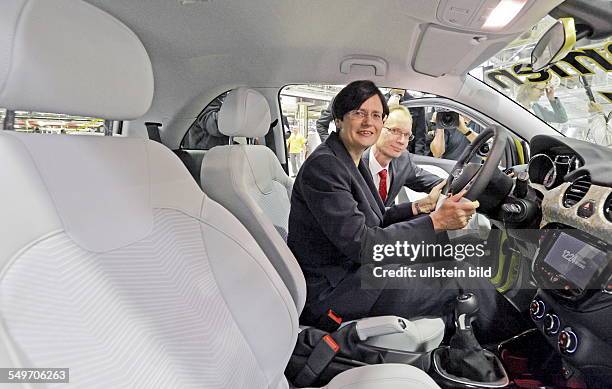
[
  {"x": 353, "y": 95},
  {"x": 402, "y": 112}
]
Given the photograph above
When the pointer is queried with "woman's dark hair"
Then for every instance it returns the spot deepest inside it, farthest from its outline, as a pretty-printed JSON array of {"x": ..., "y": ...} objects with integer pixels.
[{"x": 353, "y": 95}]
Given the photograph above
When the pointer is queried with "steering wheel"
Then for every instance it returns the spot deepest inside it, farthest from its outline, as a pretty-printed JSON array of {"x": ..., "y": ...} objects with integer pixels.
[{"x": 472, "y": 176}]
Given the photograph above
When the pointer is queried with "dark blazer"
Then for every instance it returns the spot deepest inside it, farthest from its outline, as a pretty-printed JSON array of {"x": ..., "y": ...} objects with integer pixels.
[
  {"x": 337, "y": 217},
  {"x": 404, "y": 172}
]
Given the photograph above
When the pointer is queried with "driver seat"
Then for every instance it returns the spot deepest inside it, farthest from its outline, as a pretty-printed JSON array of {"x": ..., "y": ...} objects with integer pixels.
[
  {"x": 249, "y": 181},
  {"x": 113, "y": 263}
]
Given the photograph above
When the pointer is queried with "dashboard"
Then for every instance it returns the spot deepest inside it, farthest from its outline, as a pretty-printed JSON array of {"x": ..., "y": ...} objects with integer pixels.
[
  {"x": 574, "y": 182},
  {"x": 572, "y": 265}
]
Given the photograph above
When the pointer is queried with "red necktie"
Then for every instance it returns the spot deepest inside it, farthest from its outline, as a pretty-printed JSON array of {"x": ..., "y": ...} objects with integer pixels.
[{"x": 382, "y": 187}]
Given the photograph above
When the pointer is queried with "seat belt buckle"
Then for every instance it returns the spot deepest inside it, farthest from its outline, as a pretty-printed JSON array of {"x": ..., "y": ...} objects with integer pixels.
[
  {"x": 321, "y": 356},
  {"x": 330, "y": 322},
  {"x": 331, "y": 343}
]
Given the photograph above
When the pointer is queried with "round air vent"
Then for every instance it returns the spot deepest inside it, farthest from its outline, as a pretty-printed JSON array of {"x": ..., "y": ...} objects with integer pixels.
[
  {"x": 576, "y": 191},
  {"x": 608, "y": 208}
]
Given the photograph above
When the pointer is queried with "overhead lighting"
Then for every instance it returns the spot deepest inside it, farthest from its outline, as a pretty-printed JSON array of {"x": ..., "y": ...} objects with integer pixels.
[
  {"x": 191, "y": 2},
  {"x": 503, "y": 14}
]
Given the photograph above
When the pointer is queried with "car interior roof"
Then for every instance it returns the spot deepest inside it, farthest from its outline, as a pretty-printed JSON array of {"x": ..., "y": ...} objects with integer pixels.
[{"x": 203, "y": 48}]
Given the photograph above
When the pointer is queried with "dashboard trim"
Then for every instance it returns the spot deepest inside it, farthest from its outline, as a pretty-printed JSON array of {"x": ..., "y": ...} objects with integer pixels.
[{"x": 553, "y": 210}]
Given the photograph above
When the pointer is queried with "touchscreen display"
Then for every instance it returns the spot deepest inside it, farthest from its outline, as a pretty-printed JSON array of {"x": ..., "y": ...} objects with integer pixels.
[{"x": 575, "y": 260}]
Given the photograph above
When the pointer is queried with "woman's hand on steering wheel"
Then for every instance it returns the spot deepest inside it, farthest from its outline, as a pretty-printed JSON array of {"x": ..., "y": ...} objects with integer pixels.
[{"x": 453, "y": 214}]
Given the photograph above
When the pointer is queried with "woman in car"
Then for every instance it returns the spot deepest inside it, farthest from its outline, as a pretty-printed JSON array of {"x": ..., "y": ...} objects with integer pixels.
[{"x": 337, "y": 218}]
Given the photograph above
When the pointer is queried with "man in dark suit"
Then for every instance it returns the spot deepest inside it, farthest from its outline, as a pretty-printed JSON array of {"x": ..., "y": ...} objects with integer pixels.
[
  {"x": 337, "y": 218},
  {"x": 391, "y": 165}
]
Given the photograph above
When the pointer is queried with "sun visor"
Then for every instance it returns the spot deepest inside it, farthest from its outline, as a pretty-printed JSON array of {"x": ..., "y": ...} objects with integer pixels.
[
  {"x": 70, "y": 57},
  {"x": 440, "y": 49}
]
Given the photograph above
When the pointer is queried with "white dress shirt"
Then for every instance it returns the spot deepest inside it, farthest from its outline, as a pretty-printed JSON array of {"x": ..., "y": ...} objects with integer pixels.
[{"x": 375, "y": 168}]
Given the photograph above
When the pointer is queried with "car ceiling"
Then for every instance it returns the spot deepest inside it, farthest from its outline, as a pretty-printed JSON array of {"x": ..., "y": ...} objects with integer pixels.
[{"x": 200, "y": 50}]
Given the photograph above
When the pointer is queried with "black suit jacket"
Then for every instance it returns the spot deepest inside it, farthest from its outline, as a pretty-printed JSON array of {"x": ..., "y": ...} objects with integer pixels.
[
  {"x": 337, "y": 217},
  {"x": 404, "y": 172}
]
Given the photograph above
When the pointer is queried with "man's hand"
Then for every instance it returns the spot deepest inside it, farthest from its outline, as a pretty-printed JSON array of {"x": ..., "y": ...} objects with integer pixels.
[
  {"x": 550, "y": 93},
  {"x": 454, "y": 214},
  {"x": 595, "y": 107},
  {"x": 463, "y": 128},
  {"x": 428, "y": 203}
]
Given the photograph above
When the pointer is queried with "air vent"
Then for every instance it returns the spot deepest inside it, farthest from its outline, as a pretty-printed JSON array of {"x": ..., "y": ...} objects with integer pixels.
[
  {"x": 608, "y": 208},
  {"x": 576, "y": 191}
]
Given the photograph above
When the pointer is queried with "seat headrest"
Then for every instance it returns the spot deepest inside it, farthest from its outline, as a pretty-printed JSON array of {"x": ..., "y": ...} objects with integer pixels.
[
  {"x": 67, "y": 56},
  {"x": 245, "y": 112}
]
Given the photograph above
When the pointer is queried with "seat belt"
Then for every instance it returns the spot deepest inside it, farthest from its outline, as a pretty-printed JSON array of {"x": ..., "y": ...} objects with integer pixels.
[
  {"x": 153, "y": 131},
  {"x": 321, "y": 356}
]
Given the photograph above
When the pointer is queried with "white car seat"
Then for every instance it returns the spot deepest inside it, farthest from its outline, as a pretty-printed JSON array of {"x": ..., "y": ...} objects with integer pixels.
[
  {"x": 113, "y": 263},
  {"x": 249, "y": 181}
]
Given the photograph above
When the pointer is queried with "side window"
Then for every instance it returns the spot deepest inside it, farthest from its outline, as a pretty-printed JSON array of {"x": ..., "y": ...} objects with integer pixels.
[
  {"x": 50, "y": 123},
  {"x": 204, "y": 134},
  {"x": 308, "y": 119}
]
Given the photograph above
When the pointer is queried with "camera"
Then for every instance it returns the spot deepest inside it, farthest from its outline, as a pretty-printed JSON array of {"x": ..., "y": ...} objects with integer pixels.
[{"x": 447, "y": 119}]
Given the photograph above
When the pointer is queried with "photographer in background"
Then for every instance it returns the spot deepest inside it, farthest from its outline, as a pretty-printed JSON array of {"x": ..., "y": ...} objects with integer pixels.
[{"x": 453, "y": 133}]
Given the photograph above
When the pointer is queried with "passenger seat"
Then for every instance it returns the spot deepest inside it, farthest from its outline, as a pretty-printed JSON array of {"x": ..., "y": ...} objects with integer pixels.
[{"x": 249, "y": 181}]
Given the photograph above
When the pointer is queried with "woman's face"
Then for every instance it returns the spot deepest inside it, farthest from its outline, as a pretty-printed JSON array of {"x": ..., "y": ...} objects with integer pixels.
[
  {"x": 361, "y": 127},
  {"x": 536, "y": 92}
]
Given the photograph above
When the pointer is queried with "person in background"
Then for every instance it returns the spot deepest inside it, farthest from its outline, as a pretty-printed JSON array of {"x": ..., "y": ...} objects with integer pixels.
[
  {"x": 449, "y": 143},
  {"x": 528, "y": 96},
  {"x": 295, "y": 144},
  {"x": 324, "y": 120},
  {"x": 392, "y": 167},
  {"x": 204, "y": 133},
  {"x": 600, "y": 131}
]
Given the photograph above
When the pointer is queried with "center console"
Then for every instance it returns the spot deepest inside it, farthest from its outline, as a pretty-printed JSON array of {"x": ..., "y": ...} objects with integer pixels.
[
  {"x": 570, "y": 263},
  {"x": 573, "y": 305}
]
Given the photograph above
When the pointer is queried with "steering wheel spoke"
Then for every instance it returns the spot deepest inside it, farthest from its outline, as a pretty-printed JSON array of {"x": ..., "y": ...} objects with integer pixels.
[{"x": 475, "y": 177}]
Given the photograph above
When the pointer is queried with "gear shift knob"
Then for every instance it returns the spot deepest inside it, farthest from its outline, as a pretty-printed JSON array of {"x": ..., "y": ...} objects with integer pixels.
[{"x": 466, "y": 308}]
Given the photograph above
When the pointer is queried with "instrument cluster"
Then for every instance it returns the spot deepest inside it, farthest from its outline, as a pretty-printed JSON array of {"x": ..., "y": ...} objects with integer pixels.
[{"x": 550, "y": 170}]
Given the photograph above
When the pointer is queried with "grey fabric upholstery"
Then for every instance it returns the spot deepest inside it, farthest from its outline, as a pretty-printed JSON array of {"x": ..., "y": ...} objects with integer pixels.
[
  {"x": 34, "y": 71},
  {"x": 249, "y": 181},
  {"x": 132, "y": 268}
]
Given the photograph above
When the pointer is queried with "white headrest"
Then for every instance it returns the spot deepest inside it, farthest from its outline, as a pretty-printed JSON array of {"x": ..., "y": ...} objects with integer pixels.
[
  {"x": 103, "y": 188},
  {"x": 67, "y": 56},
  {"x": 245, "y": 112}
]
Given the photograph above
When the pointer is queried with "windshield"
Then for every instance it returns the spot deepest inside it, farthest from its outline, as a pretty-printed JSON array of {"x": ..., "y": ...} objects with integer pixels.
[{"x": 574, "y": 96}]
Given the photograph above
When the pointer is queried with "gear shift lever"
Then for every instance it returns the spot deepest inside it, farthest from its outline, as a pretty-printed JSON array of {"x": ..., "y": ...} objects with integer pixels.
[
  {"x": 464, "y": 360},
  {"x": 466, "y": 309},
  {"x": 466, "y": 356}
]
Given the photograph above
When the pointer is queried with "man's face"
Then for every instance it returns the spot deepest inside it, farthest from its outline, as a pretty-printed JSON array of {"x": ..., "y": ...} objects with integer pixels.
[
  {"x": 362, "y": 126},
  {"x": 394, "y": 137}
]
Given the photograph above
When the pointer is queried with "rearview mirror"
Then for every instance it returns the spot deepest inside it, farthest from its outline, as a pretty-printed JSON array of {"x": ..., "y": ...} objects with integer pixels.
[{"x": 554, "y": 45}]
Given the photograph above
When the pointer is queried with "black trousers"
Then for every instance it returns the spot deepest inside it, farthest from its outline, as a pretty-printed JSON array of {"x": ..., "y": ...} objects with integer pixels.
[{"x": 410, "y": 298}]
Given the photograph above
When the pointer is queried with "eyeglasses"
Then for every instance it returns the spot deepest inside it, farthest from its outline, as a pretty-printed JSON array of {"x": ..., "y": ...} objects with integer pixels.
[
  {"x": 400, "y": 134},
  {"x": 359, "y": 114}
]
